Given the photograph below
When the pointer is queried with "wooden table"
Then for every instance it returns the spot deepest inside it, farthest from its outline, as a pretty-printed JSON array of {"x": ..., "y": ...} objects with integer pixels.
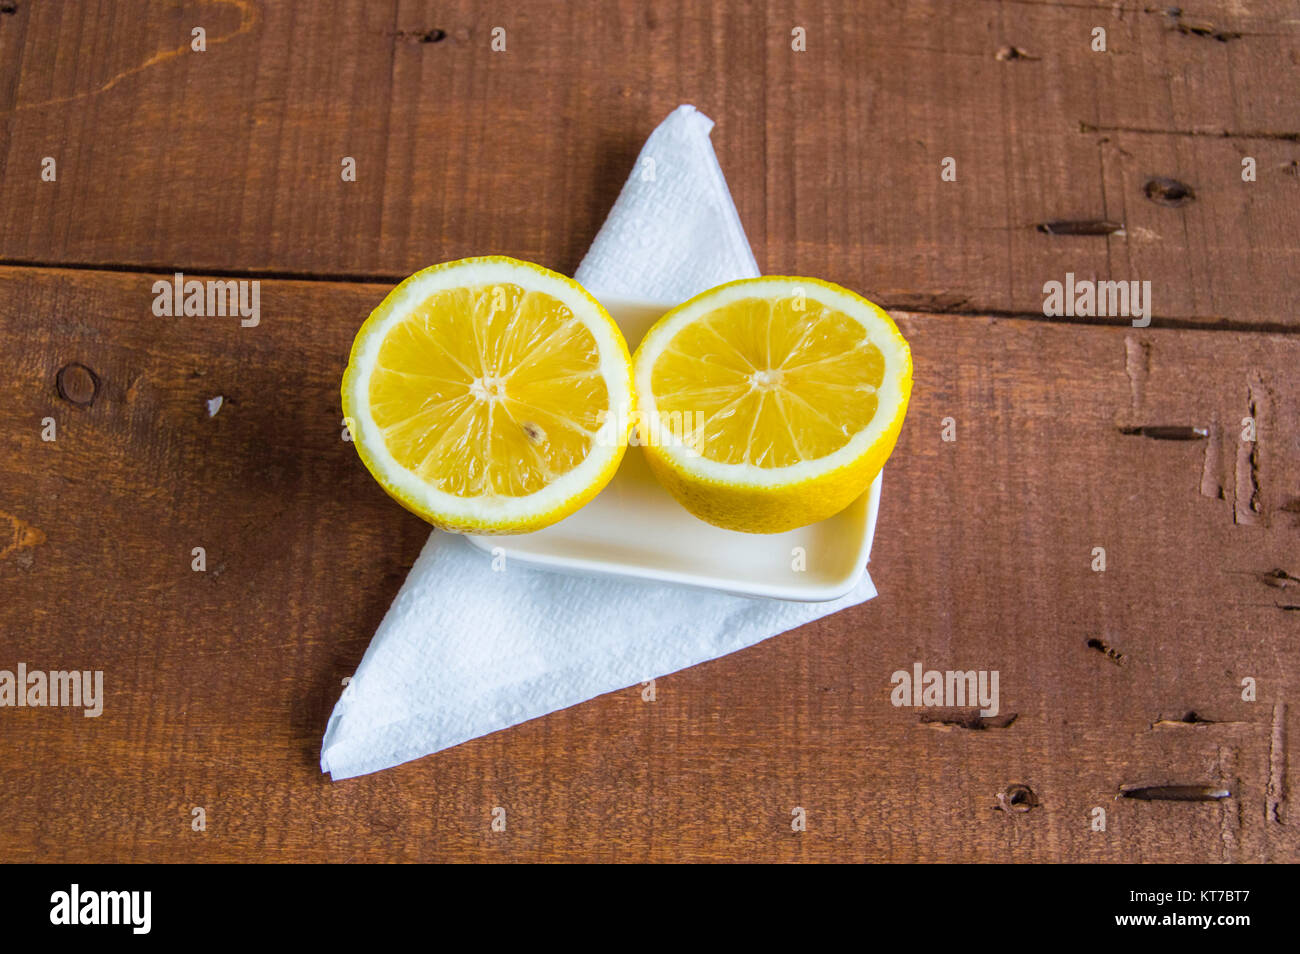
[{"x": 227, "y": 163}]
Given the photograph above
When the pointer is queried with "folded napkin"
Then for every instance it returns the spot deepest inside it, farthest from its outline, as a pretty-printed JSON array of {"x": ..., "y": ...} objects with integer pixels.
[
  {"x": 673, "y": 231},
  {"x": 466, "y": 650}
]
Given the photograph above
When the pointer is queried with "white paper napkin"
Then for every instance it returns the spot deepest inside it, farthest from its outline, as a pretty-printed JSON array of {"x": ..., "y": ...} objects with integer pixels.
[
  {"x": 465, "y": 650},
  {"x": 673, "y": 231}
]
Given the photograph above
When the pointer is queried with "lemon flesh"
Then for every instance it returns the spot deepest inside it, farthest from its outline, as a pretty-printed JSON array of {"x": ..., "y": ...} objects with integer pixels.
[
  {"x": 769, "y": 404},
  {"x": 486, "y": 395}
]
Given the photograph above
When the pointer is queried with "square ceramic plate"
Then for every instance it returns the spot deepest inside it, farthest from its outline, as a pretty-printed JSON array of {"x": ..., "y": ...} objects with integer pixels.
[{"x": 634, "y": 528}]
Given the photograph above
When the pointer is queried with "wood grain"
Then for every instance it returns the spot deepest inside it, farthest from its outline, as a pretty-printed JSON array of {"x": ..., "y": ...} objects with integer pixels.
[
  {"x": 219, "y": 683},
  {"x": 227, "y": 162},
  {"x": 230, "y": 159}
]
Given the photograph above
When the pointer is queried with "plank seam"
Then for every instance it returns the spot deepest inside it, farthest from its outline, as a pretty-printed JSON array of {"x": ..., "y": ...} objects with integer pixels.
[{"x": 914, "y": 304}]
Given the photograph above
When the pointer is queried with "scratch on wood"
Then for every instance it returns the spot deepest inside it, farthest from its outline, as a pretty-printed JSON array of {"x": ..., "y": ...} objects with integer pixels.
[
  {"x": 1230, "y": 812},
  {"x": 1208, "y": 30},
  {"x": 945, "y": 720},
  {"x": 1278, "y": 578},
  {"x": 21, "y": 536},
  {"x": 420, "y": 36},
  {"x": 1174, "y": 793},
  {"x": 1081, "y": 227},
  {"x": 1213, "y": 132},
  {"x": 1137, "y": 365},
  {"x": 1276, "y": 792},
  {"x": 1211, "y": 467},
  {"x": 248, "y": 18},
  {"x": 1008, "y": 53},
  {"x": 931, "y": 304},
  {"x": 1167, "y": 432},
  {"x": 1246, "y": 489},
  {"x": 1198, "y": 28},
  {"x": 1111, "y": 653},
  {"x": 1192, "y": 719}
]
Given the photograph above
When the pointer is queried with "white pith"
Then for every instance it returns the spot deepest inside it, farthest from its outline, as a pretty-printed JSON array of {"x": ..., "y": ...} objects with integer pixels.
[
  {"x": 492, "y": 508},
  {"x": 889, "y": 395}
]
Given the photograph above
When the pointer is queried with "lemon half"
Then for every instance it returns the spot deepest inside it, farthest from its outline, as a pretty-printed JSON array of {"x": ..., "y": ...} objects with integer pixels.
[
  {"x": 771, "y": 403},
  {"x": 489, "y": 395}
]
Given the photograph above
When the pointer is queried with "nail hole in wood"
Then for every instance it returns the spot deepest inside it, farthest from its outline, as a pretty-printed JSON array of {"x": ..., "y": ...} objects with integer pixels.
[
  {"x": 1165, "y": 191},
  {"x": 1080, "y": 227},
  {"x": 420, "y": 36},
  {"x": 1175, "y": 793},
  {"x": 1017, "y": 798},
  {"x": 1008, "y": 53},
  {"x": 1207, "y": 30},
  {"x": 1110, "y": 652},
  {"x": 946, "y": 720},
  {"x": 1278, "y": 578},
  {"x": 1167, "y": 432}
]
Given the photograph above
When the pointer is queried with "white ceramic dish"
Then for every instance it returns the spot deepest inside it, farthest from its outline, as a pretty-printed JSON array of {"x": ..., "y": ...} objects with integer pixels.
[{"x": 634, "y": 528}]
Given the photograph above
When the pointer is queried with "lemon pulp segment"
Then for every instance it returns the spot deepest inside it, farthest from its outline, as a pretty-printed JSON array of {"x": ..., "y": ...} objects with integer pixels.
[
  {"x": 489, "y": 390},
  {"x": 776, "y": 382}
]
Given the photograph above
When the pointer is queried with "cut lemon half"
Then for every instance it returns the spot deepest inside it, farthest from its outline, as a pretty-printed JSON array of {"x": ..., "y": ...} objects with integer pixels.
[
  {"x": 489, "y": 395},
  {"x": 771, "y": 403}
]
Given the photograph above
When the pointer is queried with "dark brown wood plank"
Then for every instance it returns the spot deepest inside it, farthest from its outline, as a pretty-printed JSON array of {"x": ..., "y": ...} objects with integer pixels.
[
  {"x": 230, "y": 159},
  {"x": 219, "y": 683}
]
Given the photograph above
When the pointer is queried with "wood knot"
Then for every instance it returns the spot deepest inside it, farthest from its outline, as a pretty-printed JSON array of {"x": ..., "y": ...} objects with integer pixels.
[{"x": 77, "y": 384}]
